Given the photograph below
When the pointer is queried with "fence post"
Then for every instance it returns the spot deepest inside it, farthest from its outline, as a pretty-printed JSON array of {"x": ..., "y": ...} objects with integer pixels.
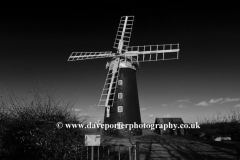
[
  {"x": 137, "y": 151},
  {"x": 87, "y": 152},
  {"x": 92, "y": 157},
  {"x": 130, "y": 155},
  {"x": 119, "y": 153},
  {"x": 98, "y": 152}
]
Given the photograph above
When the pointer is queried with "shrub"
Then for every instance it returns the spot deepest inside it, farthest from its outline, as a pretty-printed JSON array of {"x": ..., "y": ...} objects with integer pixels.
[
  {"x": 28, "y": 127},
  {"x": 218, "y": 124}
]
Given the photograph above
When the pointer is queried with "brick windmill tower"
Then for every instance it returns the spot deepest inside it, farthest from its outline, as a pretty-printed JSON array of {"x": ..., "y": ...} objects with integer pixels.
[{"x": 120, "y": 94}]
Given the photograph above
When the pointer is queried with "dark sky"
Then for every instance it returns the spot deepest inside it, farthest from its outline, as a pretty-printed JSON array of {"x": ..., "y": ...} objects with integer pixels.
[{"x": 36, "y": 39}]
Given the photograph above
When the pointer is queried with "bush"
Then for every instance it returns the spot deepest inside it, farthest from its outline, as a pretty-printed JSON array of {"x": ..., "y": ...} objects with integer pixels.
[
  {"x": 28, "y": 127},
  {"x": 223, "y": 125}
]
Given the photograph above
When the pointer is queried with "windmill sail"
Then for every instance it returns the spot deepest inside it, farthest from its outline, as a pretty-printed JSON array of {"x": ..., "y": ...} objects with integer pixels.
[
  {"x": 89, "y": 55},
  {"x": 152, "y": 52},
  {"x": 109, "y": 89},
  {"x": 124, "y": 33}
]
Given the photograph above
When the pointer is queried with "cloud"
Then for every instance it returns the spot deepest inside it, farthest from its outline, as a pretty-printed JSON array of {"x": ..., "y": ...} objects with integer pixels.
[
  {"x": 150, "y": 116},
  {"x": 237, "y": 105},
  {"x": 216, "y": 100},
  {"x": 203, "y": 103},
  {"x": 183, "y": 100},
  {"x": 92, "y": 106},
  {"x": 143, "y": 109},
  {"x": 77, "y": 109},
  {"x": 85, "y": 115},
  {"x": 182, "y": 106},
  {"x": 219, "y": 101},
  {"x": 167, "y": 115},
  {"x": 164, "y": 105},
  {"x": 230, "y": 100}
]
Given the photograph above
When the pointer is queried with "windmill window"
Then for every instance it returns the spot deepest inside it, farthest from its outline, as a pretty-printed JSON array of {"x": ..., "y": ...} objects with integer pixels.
[
  {"x": 120, "y": 95},
  {"x": 120, "y": 82},
  {"x": 120, "y": 108}
]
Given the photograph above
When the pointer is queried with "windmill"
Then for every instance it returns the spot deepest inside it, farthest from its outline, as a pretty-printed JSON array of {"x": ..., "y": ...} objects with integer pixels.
[{"x": 120, "y": 95}]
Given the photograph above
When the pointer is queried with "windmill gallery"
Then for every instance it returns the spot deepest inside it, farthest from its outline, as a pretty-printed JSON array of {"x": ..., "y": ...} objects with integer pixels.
[{"x": 120, "y": 94}]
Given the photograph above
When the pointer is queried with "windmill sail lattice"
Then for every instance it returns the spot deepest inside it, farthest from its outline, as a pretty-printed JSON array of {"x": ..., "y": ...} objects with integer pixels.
[
  {"x": 152, "y": 52},
  {"x": 109, "y": 89},
  {"x": 89, "y": 55},
  {"x": 124, "y": 33}
]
